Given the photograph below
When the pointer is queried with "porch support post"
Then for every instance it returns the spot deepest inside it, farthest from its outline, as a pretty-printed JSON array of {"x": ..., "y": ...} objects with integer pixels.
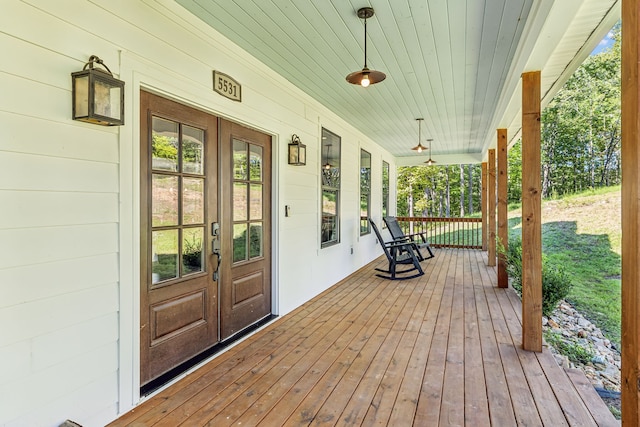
[
  {"x": 491, "y": 209},
  {"x": 483, "y": 205},
  {"x": 503, "y": 229},
  {"x": 531, "y": 214},
  {"x": 630, "y": 371}
]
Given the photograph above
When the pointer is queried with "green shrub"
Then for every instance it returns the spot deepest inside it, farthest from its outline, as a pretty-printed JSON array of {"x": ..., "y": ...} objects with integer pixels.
[
  {"x": 555, "y": 287},
  {"x": 569, "y": 348},
  {"x": 555, "y": 281}
]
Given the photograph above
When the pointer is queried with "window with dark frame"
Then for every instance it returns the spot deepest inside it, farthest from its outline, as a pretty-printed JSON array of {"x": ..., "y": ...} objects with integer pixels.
[
  {"x": 385, "y": 189},
  {"x": 330, "y": 172},
  {"x": 365, "y": 192}
]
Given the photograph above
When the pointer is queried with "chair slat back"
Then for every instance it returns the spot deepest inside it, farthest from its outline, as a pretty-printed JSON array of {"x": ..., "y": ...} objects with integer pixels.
[
  {"x": 384, "y": 247},
  {"x": 394, "y": 227}
]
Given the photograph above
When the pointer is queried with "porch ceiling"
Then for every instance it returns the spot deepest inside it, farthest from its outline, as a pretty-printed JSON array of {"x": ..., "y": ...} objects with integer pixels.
[{"x": 455, "y": 63}]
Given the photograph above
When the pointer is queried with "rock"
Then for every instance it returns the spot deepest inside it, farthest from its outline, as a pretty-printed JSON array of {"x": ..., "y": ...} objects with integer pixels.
[
  {"x": 603, "y": 371},
  {"x": 599, "y": 359}
]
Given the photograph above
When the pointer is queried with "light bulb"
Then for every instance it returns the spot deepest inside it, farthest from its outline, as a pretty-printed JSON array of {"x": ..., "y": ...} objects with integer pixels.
[
  {"x": 419, "y": 149},
  {"x": 365, "y": 80}
]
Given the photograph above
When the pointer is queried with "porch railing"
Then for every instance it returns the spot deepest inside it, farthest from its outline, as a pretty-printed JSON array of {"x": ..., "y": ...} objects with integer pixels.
[{"x": 446, "y": 232}]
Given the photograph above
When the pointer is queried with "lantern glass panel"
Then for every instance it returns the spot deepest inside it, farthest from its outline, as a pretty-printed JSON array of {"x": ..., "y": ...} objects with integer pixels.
[
  {"x": 82, "y": 96},
  {"x": 107, "y": 99}
]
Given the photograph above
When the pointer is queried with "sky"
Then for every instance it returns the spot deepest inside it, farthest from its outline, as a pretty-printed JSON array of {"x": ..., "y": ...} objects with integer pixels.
[{"x": 604, "y": 44}]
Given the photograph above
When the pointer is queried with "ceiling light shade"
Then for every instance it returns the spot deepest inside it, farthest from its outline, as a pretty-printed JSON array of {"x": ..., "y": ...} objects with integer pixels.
[
  {"x": 327, "y": 166},
  {"x": 365, "y": 77},
  {"x": 419, "y": 148},
  {"x": 430, "y": 161}
]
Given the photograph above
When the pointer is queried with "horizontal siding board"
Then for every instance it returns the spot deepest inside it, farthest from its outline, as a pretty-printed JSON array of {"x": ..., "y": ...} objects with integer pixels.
[
  {"x": 53, "y": 348},
  {"x": 33, "y": 172},
  {"x": 46, "y": 316},
  {"x": 73, "y": 140},
  {"x": 32, "y": 98},
  {"x": 45, "y": 209},
  {"x": 54, "y": 33},
  {"x": 33, "y": 282},
  {"x": 76, "y": 372},
  {"x": 16, "y": 361},
  {"x": 91, "y": 405},
  {"x": 38, "y": 245}
]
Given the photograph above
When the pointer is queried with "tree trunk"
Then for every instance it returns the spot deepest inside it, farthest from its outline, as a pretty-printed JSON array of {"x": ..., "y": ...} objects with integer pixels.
[
  {"x": 448, "y": 194},
  {"x": 461, "y": 191},
  {"x": 410, "y": 201},
  {"x": 470, "y": 184}
]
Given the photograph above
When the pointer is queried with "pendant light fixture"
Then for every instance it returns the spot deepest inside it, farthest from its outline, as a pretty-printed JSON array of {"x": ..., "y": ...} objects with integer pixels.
[
  {"x": 419, "y": 148},
  {"x": 430, "y": 161},
  {"x": 365, "y": 77},
  {"x": 327, "y": 166}
]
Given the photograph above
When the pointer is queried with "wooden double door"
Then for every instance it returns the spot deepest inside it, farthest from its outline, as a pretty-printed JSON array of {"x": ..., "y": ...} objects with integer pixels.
[{"x": 205, "y": 232}]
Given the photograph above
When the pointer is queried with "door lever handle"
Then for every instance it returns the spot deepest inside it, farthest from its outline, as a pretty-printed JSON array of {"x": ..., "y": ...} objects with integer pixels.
[{"x": 215, "y": 249}]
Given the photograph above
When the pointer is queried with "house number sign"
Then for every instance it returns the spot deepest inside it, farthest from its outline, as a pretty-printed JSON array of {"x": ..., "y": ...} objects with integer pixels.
[{"x": 227, "y": 86}]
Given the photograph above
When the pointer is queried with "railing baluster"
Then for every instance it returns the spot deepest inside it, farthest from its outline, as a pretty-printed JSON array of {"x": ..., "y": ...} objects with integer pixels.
[{"x": 446, "y": 232}]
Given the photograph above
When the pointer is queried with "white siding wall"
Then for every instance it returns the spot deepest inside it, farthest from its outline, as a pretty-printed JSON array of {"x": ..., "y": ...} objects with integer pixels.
[{"x": 69, "y": 195}]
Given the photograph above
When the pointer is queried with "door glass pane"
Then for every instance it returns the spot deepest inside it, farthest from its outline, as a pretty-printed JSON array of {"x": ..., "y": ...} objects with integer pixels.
[
  {"x": 239, "y": 160},
  {"x": 164, "y": 255},
  {"x": 255, "y": 242},
  {"x": 192, "y": 150},
  {"x": 255, "y": 163},
  {"x": 240, "y": 204},
  {"x": 193, "y": 201},
  {"x": 192, "y": 251},
  {"x": 256, "y": 201},
  {"x": 164, "y": 203},
  {"x": 164, "y": 144},
  {"x": 239, "y": 242}
]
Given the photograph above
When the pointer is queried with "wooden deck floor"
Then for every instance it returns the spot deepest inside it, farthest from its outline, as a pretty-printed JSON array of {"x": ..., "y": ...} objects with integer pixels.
[{"x": 441, "y": 349}]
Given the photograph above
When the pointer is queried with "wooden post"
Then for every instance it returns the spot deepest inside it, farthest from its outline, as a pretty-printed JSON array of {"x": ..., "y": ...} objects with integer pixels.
[
  {"x": 630, "y": 371},
  {"x": 531, "y": 214},
  {"x": 483, "y": 206},
  {"x": 503, "y": 225},
  {"x": 491, "y": 209}
]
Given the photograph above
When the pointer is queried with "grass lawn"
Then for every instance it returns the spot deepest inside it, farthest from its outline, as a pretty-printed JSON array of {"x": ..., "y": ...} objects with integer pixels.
[{"x": 581, "y": 233}]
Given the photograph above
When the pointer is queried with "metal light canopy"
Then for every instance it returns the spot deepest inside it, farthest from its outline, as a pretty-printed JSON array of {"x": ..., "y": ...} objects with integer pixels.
[
  {"x": 365, "y": 77},
  {"x": 419, "y": 148},
  {"x": 430, "y": 161}
]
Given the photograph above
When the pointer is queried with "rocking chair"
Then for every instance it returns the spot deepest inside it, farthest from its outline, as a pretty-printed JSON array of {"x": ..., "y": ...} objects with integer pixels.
[
  {"x": 397, "y": 253},
  {"x": 398, "y": 235}
]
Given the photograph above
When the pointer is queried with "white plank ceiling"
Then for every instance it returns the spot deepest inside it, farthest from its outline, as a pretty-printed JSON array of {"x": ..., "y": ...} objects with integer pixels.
[{"x": 457, "y": 63}]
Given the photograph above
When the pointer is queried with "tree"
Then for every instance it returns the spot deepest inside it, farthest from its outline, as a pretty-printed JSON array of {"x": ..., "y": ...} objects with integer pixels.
[{"x": 581, "y": 127}]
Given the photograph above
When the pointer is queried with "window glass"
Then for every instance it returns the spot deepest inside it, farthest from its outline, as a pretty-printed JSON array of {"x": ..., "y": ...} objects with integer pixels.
[
  {"x": 385, "y": 189},
  {"x": 330, "y": 172},
  {"x": 248, "y": 193},
  {"x": 177, "y": 200},
  {"x": 164, "y": 144},
  {"x": 192, "y": 250},
  {"x": 365, "y": 191}
]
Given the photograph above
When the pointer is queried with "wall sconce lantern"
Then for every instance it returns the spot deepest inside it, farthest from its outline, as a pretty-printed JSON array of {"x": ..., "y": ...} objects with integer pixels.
[
  {"x": 297, "y": 152},
  {"x": 98, "y": 97}
]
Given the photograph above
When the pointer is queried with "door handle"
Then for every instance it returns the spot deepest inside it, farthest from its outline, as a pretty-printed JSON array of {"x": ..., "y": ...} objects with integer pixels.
[{"x": 215, "y": 249}]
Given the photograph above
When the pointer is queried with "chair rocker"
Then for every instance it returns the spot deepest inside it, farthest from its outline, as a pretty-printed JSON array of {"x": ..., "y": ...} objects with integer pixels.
[
  {"x": 398, "y": 235},
  {"x": 398, "y": 253}
]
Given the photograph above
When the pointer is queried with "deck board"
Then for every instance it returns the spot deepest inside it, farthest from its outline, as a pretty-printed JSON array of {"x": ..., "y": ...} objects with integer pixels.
[{"x": 441, "y": 349}]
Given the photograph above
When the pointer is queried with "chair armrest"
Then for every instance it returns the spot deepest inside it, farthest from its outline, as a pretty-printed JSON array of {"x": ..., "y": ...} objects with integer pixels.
[{"x": 422, "y": 235}]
